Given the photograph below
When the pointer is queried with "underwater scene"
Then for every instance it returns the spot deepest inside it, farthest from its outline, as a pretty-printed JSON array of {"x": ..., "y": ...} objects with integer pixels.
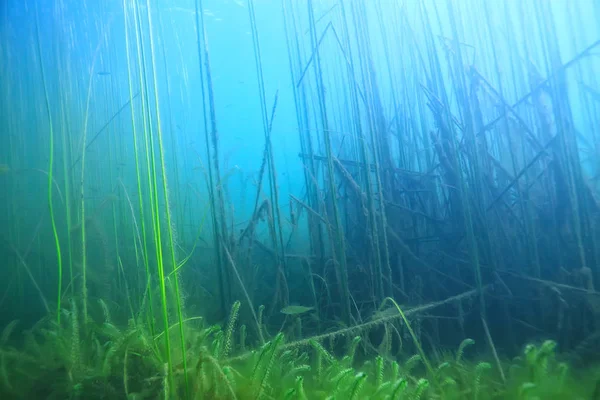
[{"x": 300, "y": 199}]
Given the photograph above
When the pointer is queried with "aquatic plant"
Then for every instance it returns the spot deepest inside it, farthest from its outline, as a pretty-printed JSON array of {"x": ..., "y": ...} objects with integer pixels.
[
  {"x": 64, "y": 362},
  {"x": 440, "y": 151}
]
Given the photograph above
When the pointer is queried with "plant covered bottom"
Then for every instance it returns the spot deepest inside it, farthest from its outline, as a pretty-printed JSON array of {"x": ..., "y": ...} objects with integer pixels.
[{"x": 73, "y": 360}]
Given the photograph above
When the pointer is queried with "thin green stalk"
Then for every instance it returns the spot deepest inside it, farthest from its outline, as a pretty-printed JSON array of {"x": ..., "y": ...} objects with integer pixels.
[
  {"x": 65, "y": 70},
  {"x": 167, "y": 204},
  {"x": 82, "y": 224},
  {"x": 50, "y": 169},
  {"x": 138, "y": 172},
  {"x": 153, "y": 192}
]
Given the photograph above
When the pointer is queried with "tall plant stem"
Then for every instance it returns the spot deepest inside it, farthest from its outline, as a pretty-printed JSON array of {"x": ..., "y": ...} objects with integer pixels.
[
  {"x": 50, "y": 169},
  {"x": 340, "y": 248},
  {"x": 211, "y": 136},
  {"x": 138, "y": 174}
]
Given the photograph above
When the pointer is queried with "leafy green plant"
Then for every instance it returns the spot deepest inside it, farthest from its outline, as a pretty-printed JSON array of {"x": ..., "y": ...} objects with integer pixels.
[{"x": 106, "y": 360}]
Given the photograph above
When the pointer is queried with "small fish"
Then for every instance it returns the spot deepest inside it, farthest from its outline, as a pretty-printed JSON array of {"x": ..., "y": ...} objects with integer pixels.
[
  {"x": 296, "y": 310},
  {"x": 4, "y": 169},
  {"x": 103, "y": 73}
]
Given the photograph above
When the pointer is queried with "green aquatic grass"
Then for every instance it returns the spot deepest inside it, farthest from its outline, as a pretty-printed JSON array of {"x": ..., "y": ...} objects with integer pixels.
[
  {"x": 50, "y": 170},
  {"x": 138, "y": 172},
  {"x": 58, "y": 361},
  {"x": 169, "y": 227}
]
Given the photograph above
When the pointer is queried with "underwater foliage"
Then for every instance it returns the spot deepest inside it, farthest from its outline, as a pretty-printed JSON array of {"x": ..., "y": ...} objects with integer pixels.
[
  {"x": 439, "y": 214},
  {"x": 61, "y": 362}
]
